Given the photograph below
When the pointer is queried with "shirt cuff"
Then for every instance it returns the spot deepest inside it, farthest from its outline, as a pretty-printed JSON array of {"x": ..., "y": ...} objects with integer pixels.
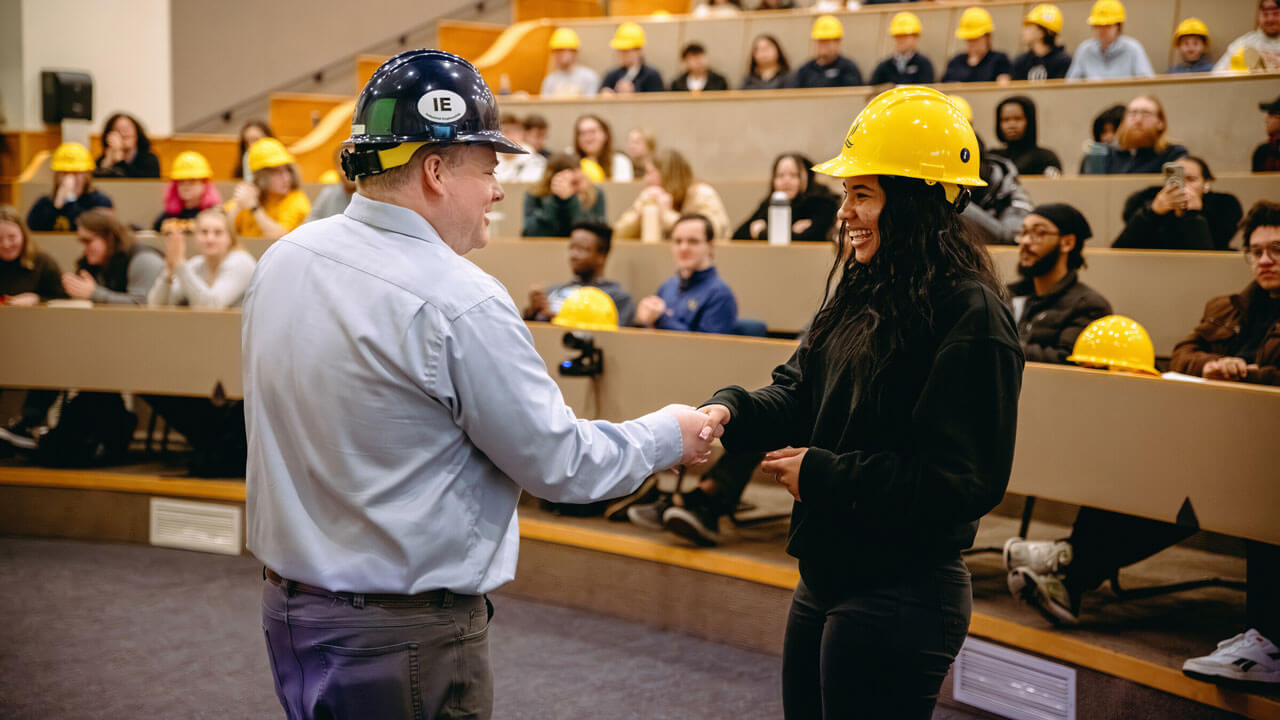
[
  {"x": 816, "y": 473},
  {"x": 668, "y": 445}
]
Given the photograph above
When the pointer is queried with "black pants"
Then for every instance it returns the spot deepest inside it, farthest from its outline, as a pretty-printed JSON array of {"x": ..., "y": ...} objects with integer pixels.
[
  {"x": 215, "y": 431},
  {"x": 880, "y": 651},
  {"x": 731, "y": 474}
]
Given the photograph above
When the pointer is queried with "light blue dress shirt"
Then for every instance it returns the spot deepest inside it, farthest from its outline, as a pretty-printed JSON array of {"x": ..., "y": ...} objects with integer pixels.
[
  {"x": 1124, "y": 58},
  {"x": 396, "y": 406}
]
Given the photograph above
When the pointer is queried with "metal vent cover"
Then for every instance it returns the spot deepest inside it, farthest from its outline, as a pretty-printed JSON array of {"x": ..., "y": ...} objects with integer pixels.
[
  {"x": 207, "y": 527},
  {"x": 1013, "y": 684}
]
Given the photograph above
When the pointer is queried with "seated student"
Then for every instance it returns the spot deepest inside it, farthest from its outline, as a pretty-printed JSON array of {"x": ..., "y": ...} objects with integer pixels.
[
  {"x": 189, "y": 192},
  {"x": 813, "y": 206},
  {"x": 828, "y": 68},
  {"x": 1239, "y": 337},
  {"x": 906, "y": 66},
  {"x": 632, "y": 74},
  {"x": 250, "y": 133},
  {"x": 697, "y": 75},
  {"x": 671, "y": 187},
  {"x": 695, "y": 299},
  {"x": 1109, "y": 54},
  {"x": 768, "y": 68},
  {"x": 535, "y": 134},
  {"x": 641, "y": 143},
  {"x": 335, "y": 196},
  {"x": 273, "y": 204},
  {"x": 567, "y": 78},
  {"x": 1266, "y": 157},
  {"x": 1188, "y": 218},
  {"x": 1140, "y": 146},
  {"x": 1016, "y": 127},
  {"x": 113, "y": 269},
  {"x": 589, "y": 245},
  {"x": 524, "y": 167},
  {"x": 1050, "y": 305},
  {"x": 1264, "y": 40},
  {"x": 562, "y": 198},
  {"x": 978, "y": 63},
  {"x": 717, "y": 8},
  {"x": 72, "y": 194},
  {"x": 1104, "y": 134},
  {"x": 995, "y": 211},
  {"x": 593, "y": 144},
  {"x": 126, "y": 151},
  {"x": 213, "y": 280},
  {"x": 1044, "y": 59},
  {"x": 1192, "y": 41}
]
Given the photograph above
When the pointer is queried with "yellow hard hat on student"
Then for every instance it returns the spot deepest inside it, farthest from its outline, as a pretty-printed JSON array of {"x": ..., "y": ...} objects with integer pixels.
[
  {"x": 827, "y": 27},
  {"x": 1191, "y": 26},
  {"x": 1115, "y": 342},
  {"x": 71, "y": 157},
  {"x": 564, "y": 39},
  {"x": 588, "y": 308},
  {"x": 628, "y": 36},
  {"x": 190, "y": 165},
  {"x": 905, "y": 23},
  {"x": 268, "y": 153},
  {"x": 912, "y": 131},
  {"x": 1048, "y": 17},
  {"x": 1106, "y": 12},
  {"x": 964, "y": 106},
  {"x": 329, "y": 177},
  {"x": 974, "y": 23}
]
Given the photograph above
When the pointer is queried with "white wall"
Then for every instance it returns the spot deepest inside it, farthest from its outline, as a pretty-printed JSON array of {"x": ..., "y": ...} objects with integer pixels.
[
  {"x": 123, "y": 44},
  {"x": 11, "y": 90}
]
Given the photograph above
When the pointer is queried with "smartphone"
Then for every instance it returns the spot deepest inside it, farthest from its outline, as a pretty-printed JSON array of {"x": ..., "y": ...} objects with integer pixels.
[{"x": 1175, "y": 175}]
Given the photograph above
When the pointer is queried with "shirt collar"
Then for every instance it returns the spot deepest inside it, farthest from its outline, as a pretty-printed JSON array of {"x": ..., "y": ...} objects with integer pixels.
[
  {"x": 697, "y": 278},
  {"x": 394, "y": 218}
]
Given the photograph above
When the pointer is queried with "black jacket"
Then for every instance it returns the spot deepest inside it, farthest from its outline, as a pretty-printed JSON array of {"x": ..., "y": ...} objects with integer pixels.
[
  {"x": 1050, "y": 324},
  {"x": 143, "y": 165},
  {"x": 755, "y": 82},
  {"x": 993, "y": 65},
  {"x": 1054, "y": 66},
  {"x": 842, "y": 72},
  {"x": 44, "y": 279},
  {"x": 919, "y": 71},
  {"x": 44, "y": 217},
  {"x": 715, "y": 81},
  {"x": 1208, "y": 229},
  {"x": 1134, "y": 162},
  {"x": 904, "y": 482},
  {"x": 647, "y": 80},
  {"x": 819, "y": 207},
  {"x": 1266, "y": 157},
  {"x": 1023, "y": 152}
]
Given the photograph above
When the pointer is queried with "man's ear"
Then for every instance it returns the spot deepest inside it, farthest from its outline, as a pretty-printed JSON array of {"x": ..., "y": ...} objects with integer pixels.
[
  {"x": 1067, "y": 243},
  {"x": 434, "y": 171}
]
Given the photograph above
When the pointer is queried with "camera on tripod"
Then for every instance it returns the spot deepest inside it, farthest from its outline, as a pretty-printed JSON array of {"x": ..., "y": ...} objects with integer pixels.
[{"x": 589, "y": 361}]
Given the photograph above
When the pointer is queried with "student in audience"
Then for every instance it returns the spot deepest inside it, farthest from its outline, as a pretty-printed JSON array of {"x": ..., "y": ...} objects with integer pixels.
[
  {"x": 768, "y": 68},
  {"x": 1051, "y": 307},
  {"x": 697, "y": 75},
  {"x": 1264, "y": 40},
  {"x": 1110, "y": 53},
  {"x": 113, "y": 269},
  {"x": 1192, "y": 41},
  {"x": 695, "y": 299},
  {"x": 978, "y": 63},
  {"x": 717, "y": 8},
  {"x": 641, "y": 144},
  {"x": 1044, "y": 59},
  {"x": 1016, "y": 127},
  {"x": 1239, "y": 337},
  {"x": 250, "y": 133},
  {"x": 593, "y": 144},
  {"x": 190, "y": 191},
  {"x": 996, "y": 211},
  {"x": 335, "y": 197},
  {"x": 813, "y": 206},
  {"x": 906, "y": 66},
  {"x": 672, "y": 188},
  {"x": 567, "y": 78},
  {"x": 827, "y": 68},
  {"x": 1266, "y": 157},
  {"x": 273, "y": 204},
  {"x": 1189, "y": 217},
  {"x": 1094, "y": 161},
  {"x": 126, "y": 150},
  {"x": 72, "y": 194},
  {"x": 562, "y": 199},
  {"x": 1140, "y": 146},
  {"x": 589, "y": 245},
  {"x": 632, "y": 74},
  {"x": 535, "y": 134},
  {"x": 213, "y": 280},
  {"x": 524, "y": 167}
]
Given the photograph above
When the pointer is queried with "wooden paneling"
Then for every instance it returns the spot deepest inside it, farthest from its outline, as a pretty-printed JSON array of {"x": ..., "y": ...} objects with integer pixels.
[
  {"x": 467, "y": 39},
  {"x": 294, "y": 115},
  {"x": 538, "y": 9},
  {"x": 627, "y": 8},
  {"x": 365, "y": 67}
]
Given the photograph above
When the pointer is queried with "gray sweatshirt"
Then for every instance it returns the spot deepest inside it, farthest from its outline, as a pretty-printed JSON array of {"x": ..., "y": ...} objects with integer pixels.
[{"x": 188, "y": 286}]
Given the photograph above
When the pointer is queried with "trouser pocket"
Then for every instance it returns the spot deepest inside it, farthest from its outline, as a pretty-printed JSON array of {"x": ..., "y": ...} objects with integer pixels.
[{"x": 377, "y": 682}]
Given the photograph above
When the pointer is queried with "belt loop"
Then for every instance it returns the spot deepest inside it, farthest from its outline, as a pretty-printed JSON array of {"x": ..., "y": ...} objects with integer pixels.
[
  {"x": 357, "y": 600},
  {"x": 264, "y": 572},
  {"x": 291, "y": 588},
  {"x": 446, "y": 599}
]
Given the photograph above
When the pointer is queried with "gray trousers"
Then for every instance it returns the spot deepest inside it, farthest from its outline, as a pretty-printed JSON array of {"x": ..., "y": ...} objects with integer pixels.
[{"x": 342, "y": 656}]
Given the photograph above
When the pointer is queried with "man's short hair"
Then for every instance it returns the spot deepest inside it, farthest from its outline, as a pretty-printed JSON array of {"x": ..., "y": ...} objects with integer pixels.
[
  {"x": 510, "y": 119},
  {"x": 397, "y": 176},
  {"x": 603, "y": 233},
  {"x": 1112, "y": 116},
  {"x": 706, "y": 223},
  {"x": 693, "y": 48},
  {"x": 1263, "y": 214},
  {"x": 535, "y": 122}
]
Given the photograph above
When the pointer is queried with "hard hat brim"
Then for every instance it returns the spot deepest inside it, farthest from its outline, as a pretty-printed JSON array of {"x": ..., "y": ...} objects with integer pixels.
[
  {"x": 624, "y": 45},
  {"x": 591, "y": 326},
  {"x": 972, "y": 34},
  {"x": 1109, "y": 363},
  {"x": 842, "y": 167}
]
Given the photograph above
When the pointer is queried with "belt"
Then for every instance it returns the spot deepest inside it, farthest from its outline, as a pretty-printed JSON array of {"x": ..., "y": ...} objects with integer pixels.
[{"x": 443, "y": 598}]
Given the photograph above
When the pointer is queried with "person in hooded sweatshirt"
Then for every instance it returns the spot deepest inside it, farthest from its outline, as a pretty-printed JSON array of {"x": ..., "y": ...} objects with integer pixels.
[{"x": 1016, "y": 128}]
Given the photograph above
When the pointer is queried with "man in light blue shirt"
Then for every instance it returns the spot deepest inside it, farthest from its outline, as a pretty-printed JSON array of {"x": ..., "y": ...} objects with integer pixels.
[
  {"x": 1110, "y": 54},
  {"x": 395, "y": 407}
]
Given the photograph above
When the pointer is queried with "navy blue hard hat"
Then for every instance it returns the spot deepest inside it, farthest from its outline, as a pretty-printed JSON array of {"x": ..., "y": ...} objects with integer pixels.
[{"x": 421, "y": 97}]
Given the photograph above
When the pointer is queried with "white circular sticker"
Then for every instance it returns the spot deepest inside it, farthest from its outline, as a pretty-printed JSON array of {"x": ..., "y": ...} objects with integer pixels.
[{"x": 442, "y": 106}]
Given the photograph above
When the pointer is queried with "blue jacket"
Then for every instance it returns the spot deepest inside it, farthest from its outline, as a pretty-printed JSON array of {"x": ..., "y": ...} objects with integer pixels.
[{"x": 701, "y": 303}]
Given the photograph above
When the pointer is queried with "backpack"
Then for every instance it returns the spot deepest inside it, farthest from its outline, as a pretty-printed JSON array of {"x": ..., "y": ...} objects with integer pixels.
[{"x": 94, "y": 429}]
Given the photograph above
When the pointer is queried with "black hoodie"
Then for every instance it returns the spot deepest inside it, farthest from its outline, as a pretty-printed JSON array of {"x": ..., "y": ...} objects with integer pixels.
[
  {"x": 1054, "y": 66},
  {"x": 1026, "y": 156}
]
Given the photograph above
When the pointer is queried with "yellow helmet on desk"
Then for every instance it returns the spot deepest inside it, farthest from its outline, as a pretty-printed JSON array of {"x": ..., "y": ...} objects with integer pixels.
[
  {"x": 588, "y": 308},
  {"x": 1106, "y": 12},
  {"x": 71, "y": 157},
  {"x": 1115, "y": 342},
  {"x": 974, "y": 23}
]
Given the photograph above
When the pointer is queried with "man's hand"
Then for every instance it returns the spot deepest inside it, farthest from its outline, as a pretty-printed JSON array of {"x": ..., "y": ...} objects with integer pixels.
[
  {"x": 538, "y": 303},
  {"x": 649, "y": 310},
  {"x": 1226, "y": 368},
  {"x": 784, "y": 465},
  {"x": 696, "y": 434}
]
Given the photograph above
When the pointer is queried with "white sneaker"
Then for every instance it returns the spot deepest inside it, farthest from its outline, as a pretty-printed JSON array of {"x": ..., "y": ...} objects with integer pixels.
[
  {"x": 1038, "y": 556},
  {"x": 1247, "y": 657},
  {"x": 1044, "y": 592}
]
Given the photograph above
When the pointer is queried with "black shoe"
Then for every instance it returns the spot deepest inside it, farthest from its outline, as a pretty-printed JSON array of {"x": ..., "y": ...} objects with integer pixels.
[
  {"x": 696, "y": 521},
  {"x": 646, "y": 493},
  {"x": 650, "y": 515},
  {"x": 20, "y": 434}
]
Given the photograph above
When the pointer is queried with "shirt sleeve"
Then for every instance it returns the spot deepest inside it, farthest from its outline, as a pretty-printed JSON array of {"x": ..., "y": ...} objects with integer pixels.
[
  {"x": 227, "y": 288},
  {"x": 143, "y": 270},
  {"x": 1193, "y": 353}
]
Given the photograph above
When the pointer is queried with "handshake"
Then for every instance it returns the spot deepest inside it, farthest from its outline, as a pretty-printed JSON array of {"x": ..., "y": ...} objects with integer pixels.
[{"x": 698, "y": 428}]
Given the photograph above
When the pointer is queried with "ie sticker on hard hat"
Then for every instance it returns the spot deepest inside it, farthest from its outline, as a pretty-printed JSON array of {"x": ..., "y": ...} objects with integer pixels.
[{"x": 442, "y": 106}]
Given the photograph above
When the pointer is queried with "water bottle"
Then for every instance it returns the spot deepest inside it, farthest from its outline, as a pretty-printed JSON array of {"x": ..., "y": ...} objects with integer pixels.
[
  {"x": 1095, "y": 159},
  {"x": 650, "y": 223},
  {"x": 779, "y": 219}
]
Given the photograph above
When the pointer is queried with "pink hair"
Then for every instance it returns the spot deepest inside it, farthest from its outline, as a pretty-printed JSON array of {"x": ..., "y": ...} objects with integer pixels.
[{"x": 173, "y": 203}]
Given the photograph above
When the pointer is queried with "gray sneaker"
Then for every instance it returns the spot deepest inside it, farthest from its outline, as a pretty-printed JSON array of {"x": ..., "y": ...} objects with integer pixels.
[
  {"x": 1039, "y": 556},
  {"x": 649, "y": 515},
  {"x": 1046, "y": 593}
]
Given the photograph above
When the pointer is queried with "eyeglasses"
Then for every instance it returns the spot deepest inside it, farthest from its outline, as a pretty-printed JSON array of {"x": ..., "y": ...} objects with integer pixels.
[
  {"x": 1141, "y": 112},
  {"x": 1254, "y": 252},
  {"x": 1036, "y": 234}
]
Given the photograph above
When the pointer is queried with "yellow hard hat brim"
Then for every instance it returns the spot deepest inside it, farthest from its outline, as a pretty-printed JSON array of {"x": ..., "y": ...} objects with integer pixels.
[
  {"x": 584, "y": 325},
  {"x": 624, "y": 45},
  {"x": 1109, "y": 363},
  {"x": 972, "y": 34},
  {"x": 843, "y": 167},
  {"x": 189, "y": 175}
]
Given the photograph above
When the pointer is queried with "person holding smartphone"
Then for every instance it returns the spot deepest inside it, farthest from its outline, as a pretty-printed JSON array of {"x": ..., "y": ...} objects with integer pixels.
[{"x": 1181, "y": 214}]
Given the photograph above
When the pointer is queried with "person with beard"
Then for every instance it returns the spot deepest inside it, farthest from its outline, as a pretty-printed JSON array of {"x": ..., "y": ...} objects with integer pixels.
[
  {"x": 1016, "y": 127},
  {"x": 1140, "y": 146},
  {"x": 589, "y": 245},
  {"x": 1044, "y": 59},
  {"x": 1050, "y": 305},
  {"x": 1190, "y": 217},
  {"x": 813, "y": 206}
]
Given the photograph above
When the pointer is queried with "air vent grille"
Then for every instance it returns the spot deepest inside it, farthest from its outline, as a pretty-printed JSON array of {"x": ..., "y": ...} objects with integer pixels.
[
  {"x": 207, "y": 527},
  {"x": 1013, "y": 684}
]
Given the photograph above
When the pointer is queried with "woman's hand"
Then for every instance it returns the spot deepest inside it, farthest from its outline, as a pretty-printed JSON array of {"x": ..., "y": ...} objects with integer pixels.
[
  {"x": 113, "y": 153},
  {"x": 784, "y": 465},
  {"x": 66, "y": 191},
  {"x": 79, "y": 286},
  {"x": 1171, "y": 198},
  {"x": 245, "y": 196},
  {"x": 717, "y": 417},
  {"x": 175, "y": 248},
  {"x": 801, "y": 225},
  {"x": 757, "y": 228},
  {"x": 26, "y": 299}
]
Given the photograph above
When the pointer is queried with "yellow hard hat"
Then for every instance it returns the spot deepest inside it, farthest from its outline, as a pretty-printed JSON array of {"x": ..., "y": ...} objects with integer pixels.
[
  {"x": 827, "y": 27},
  {"x": 190, "y": 165},
  {"x": 1115, "y": 342},
  {"x": 329, "y": 177},
  {"x": 1106, "y": 12},
  {"x": 563, "y": 39},
  {"x": 268, "y": 153},
  {"x": 963, "y": 104},
  {"x": 974, "y": 23},
  {"x": 628, "y": 36},
  {"x": 1238, "y": 63},
  {"x": 905, "y": 23},
  {"x": 912, "y": 131},
  {"x": 1048, "y": 17},
  {"x": 588, "y": 308},
  {"x": 1191, "y": 26},
  {"x": 592, "y": 169},
  {"x": 71, "y": 157}
]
